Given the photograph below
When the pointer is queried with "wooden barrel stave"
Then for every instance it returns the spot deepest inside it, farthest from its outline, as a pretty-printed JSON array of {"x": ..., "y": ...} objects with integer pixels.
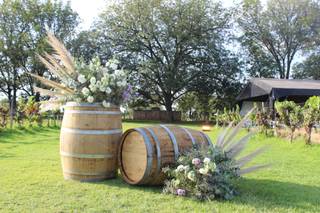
[
  {"x": 89, "y": 142},
  {"x": 157, "y": 147}
]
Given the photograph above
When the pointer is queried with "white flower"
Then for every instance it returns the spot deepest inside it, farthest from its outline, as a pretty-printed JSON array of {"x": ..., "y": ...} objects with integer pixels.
[
  {"x": 104, "y": 79},
  {"x": 104, "y": 70},
  {"x": 206, "y": 160},
  {"x": 119, "y": 72},
  {"x": 108, "y": 90},
  {"x": 180, "y": 168},
  {"x": 113, "y": 66},
  {"x": 90, "y": 99},
  {"x": 105, "y": 104},
  {"x": 93, "y": 80},
  {"x": 82, "y": 79},
  {"x": 93, "y": 88},
  {"x": 102, "y": 88},
  {"x": 196, "y": 161},
  {"x": 119, "y": 84},
  {"x": 187, "y": 168},
  {"x": 203, "y": 171},
  {"x": 85, "y": 91}
]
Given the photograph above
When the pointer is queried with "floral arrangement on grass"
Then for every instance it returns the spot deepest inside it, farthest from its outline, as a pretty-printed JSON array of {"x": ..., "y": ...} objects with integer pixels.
[
  {"x": 208, "y": 173},
  {"x": 204, "y": 174},
  {"x": 81, "y": 82}
]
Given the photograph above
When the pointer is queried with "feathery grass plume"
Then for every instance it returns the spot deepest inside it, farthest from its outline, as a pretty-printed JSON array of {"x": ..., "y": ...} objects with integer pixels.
[
  {"x": 50, "y": 105},
  {"x": 236, "y": 148},
  {"x": 222, "y": 135},
  {"x": 248, "y": 158},
  {"x": 252, "y": 169},
  {"x": 232, "y": 132},
  {"x": 48, "y": 92},
  {"x": 233, "y": 147},
  {"x": 53, "y": 66},
  {"x": 62, "y": 53},
  {"x": 53, "y": 84}
]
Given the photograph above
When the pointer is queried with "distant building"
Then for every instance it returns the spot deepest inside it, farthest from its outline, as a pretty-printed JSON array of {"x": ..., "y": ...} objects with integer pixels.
[{"x": 265, "y": 92}]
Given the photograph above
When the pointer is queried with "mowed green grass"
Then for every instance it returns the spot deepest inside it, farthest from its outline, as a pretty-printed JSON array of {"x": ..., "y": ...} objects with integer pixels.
[{"x": 31, "y": 181}]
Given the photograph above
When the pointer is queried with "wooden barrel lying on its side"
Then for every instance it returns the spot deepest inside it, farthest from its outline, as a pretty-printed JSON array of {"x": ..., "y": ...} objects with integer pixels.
[
  {"x": 143, "y": 152},
  {"x": 89, "y": 141}
]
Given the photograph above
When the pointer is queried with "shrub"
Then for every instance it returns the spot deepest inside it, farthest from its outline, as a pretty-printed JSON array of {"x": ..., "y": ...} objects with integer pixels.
[
  {"x": 4, "y": 114},
  {"x": 228, "y": 116},
  {"x": 290, "y": 114},
  {"x": 311, "y": 114},
  {"x": 32, "y": 111},
  {"x": 20, "y": 114},
  {"x": 262, "y": 119}
]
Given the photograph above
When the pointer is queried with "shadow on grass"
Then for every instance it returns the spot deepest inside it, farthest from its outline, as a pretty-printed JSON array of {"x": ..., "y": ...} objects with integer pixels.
[
  {"x": 272, "y": 194},
  {"x": 6, "y": 155},
  {"x": 260, "y": 194},
  {"x": 121, "y": 184},
  {"x": 17, "y": 135}
]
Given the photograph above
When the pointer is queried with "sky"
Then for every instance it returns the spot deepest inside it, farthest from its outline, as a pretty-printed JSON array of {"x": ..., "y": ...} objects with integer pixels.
[{"x": 88, "y": 10}]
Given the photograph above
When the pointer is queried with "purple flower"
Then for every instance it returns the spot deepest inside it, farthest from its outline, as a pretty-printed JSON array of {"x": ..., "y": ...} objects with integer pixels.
[
  {"x": 127, "y": 93},
  {"x": 181, "y": 192},
  {"x": 196, "y": 161}
]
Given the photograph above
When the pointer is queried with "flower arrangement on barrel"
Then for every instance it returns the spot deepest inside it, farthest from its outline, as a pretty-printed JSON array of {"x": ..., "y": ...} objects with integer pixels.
[{"x": 81, "y": 82}]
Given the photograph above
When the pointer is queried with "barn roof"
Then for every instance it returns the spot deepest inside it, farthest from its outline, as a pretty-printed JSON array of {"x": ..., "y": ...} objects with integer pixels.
[{"x": 260, "y": 89}]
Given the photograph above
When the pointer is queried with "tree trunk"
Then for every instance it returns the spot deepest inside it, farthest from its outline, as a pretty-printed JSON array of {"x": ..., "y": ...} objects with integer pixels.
[
  {"x": 291, "y": 136},
  {"x": 309, "y": 132},
  {"x": 168, "y": 106}
]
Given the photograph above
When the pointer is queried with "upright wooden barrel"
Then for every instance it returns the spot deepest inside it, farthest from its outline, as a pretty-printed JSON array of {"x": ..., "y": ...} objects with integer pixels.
[
  {"x": 89, "y": 141},
  {"x": 143, "y": 152}
]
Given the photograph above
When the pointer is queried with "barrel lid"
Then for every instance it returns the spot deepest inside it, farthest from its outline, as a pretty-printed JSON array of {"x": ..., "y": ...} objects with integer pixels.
[{"x": 135, "y": 156}]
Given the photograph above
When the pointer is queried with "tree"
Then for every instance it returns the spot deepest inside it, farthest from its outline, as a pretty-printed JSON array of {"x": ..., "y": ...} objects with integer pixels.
[
  {"x": 309, "y": 68},
  {"x": 22, "y": 32},
  {"x": 281, "y": 30},
  {"x": 164, "y": 43},
  {"x": 290, "y": 114},
  {"x": 311, "y": 114},
  {"x": 257, "y": 63},
  {"x": 91, "y": 43},
  {"x": 220, "y": 81}
]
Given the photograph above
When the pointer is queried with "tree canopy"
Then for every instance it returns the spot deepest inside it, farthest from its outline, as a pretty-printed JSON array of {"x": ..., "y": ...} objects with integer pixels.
[
  {"x": 168, "y": 44},
  {"x": 22, "y": 30},
  {"x": 280, "y": 30}
]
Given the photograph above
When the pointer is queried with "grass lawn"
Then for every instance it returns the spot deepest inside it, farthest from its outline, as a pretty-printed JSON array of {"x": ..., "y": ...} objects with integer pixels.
[{"x": 31, "y": 181}]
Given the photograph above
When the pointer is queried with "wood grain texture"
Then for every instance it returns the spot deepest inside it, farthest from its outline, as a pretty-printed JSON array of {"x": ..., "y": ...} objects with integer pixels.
[
  {"x": 143, "y": 152},
  {"x": 89, "y": 141}
]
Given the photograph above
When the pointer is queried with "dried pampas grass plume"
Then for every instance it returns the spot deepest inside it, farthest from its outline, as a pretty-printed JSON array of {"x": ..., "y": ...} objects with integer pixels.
[
  {"x": 60, "y": 64},
  {"x": 62, "y": 53},
  {"x": 233, "y": 147}
]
